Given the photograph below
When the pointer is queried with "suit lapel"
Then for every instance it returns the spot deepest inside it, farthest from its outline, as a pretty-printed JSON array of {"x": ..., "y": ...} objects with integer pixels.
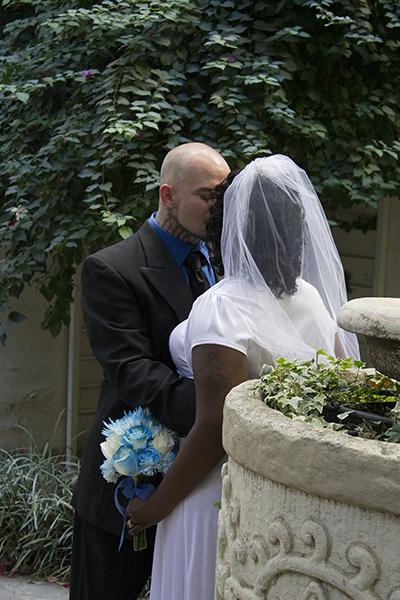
[{"x": 164, "y": 274}]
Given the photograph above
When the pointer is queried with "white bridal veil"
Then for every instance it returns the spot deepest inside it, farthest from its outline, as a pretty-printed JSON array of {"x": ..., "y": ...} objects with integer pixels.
[{"x": 275, "y": 232}]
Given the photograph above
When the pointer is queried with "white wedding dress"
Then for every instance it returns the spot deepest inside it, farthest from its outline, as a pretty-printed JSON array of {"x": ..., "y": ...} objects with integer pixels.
[{"x": 185, "y": 548}]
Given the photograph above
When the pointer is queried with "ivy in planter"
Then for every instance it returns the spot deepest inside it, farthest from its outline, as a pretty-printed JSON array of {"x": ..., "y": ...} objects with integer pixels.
[
  {"x": 94, "y": 93},
  {"x": 340, "y": 394}
]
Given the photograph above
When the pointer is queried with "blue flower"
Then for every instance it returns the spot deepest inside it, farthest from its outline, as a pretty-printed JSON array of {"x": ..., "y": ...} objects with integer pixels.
[
  {"x": 125, "y": 462},
  {"x": 137, "y": 437},
  {"x": 167, "y": 460},
  {"x": 149, "y": 461},
  {"x": 136, "y": 444},
  {"x": 137, "y": 417}
]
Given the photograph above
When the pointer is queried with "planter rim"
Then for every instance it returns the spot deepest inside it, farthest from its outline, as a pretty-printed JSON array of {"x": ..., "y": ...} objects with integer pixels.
[
  {"x": 317, "y": 461},
  {"x": 373, "y": 317}
]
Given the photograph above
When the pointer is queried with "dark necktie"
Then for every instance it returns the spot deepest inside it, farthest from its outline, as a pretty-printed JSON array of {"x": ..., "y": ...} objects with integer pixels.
[{"x": 197, "y": 279}]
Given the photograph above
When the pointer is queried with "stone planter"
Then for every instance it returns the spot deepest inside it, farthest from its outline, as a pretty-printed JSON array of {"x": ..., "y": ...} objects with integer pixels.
[
  {"x": 378, "y": 321},
  {"x": 307, "y": 514}
]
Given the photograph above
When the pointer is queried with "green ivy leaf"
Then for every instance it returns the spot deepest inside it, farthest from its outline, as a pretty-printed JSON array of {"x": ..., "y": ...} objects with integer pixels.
[
  {"x": 125, "y": 231},
  {"x": 91, "y": 95},
  {"x": 22, "y": 97}
]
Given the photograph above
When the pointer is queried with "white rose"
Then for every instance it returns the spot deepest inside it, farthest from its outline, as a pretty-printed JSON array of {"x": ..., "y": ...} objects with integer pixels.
[
  {"x": 111, "y": 445},
  {"x": 163, "y": 442}
]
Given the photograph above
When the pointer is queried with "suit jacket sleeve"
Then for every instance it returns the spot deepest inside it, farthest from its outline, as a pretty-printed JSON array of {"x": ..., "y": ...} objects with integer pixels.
[{"x": 120, "y": 340}]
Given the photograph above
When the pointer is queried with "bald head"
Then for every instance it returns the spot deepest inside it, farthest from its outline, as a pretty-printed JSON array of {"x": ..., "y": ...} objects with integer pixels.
[
  {"x": 180, "y": 161},
  {"x": 189, "y": 174}
]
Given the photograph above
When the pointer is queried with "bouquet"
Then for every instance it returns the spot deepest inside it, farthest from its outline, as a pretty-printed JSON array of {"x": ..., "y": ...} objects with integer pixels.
[{"x": 136, "y": 447}]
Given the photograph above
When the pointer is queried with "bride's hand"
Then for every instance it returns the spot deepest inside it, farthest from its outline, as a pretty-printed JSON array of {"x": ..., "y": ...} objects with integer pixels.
[{"x": 143, "y": 514}]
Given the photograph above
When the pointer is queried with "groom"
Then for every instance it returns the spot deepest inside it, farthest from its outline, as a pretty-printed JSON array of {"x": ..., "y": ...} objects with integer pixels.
[{"x": 133, "y": 294}]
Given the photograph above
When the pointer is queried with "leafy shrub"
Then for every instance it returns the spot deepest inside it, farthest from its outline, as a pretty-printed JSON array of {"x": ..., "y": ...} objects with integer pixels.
[
  {"x": 93, "y": 95},
  {"x": 36, "y": 517}
]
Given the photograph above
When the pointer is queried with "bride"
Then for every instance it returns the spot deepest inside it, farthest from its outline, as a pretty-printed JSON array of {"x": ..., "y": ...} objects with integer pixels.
[{"x": 283, "y": 286}]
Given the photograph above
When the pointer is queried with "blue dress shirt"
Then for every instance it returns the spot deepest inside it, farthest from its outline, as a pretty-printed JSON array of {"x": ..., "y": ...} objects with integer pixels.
[{"x": 179, "y": 250}]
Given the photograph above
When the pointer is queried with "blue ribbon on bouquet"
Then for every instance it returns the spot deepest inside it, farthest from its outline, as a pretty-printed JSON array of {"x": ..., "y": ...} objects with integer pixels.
[{"x": 130, "y": 490}]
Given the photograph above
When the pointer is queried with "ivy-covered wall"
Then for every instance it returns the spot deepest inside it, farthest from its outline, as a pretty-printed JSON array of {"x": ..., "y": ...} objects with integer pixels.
[{"x": 93, "y": 95}]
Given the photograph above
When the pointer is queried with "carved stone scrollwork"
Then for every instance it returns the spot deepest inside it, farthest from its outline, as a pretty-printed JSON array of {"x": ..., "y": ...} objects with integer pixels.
[
  {"x": 314, "y": 591},
  {"x": 357, "y": 584},
  {"x": 316, "y": 538},
  {"x": 222, "y": 575},
  {"x": 226, "y": 481},
  {"x": 280, "y": 538},
  {"x": 364, "y": 560},
  {"x": 258, "y": 550},
  {"x": 235, "y": 591},
  {"x": 225, "y": 536},
  {"x": 230, "y": 513}
]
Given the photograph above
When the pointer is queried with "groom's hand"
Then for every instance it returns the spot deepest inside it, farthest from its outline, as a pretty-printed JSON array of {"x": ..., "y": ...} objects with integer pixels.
[{"x": 143, "y": 514}]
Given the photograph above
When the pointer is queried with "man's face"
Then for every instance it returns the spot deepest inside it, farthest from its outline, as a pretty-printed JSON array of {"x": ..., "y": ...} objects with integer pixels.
[{"x": 193, "y": 196}]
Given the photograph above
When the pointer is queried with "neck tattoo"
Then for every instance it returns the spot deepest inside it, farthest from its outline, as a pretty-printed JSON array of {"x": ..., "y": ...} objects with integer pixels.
[{"x": 167, "y": 222}]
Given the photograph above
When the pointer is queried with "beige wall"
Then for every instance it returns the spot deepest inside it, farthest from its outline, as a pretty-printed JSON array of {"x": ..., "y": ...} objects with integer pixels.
[
  {"x": 86, "y": 377},
  {"x": 358, "y": 252},
  {"x": 387, "y": 263},
  {"x": 33, "y": 380},
  {"x": 89, "y": 377}
]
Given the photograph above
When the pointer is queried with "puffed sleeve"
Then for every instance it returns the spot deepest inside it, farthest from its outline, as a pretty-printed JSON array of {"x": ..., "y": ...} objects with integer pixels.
[{"x": 217, "y": 319}]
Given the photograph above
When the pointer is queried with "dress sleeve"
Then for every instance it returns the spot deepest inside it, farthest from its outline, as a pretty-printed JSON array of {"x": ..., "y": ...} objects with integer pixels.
[{"x": 217, "y": 319}]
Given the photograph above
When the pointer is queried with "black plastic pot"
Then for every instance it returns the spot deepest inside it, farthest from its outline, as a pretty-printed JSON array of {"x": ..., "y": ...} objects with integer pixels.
[{"x": 331, "y": 412}]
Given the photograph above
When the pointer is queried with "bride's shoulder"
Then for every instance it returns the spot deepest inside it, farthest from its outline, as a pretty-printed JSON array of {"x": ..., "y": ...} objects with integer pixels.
[
  {"x": 309, "y": 297},
  {"x": 307, "y": 289},
  {"x": 221, "y": 302}
]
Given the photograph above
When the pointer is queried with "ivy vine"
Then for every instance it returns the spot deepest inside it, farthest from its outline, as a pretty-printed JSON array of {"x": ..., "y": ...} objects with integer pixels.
[
  {"x": 94, "y": 94},
  {"x": 340, "y": 394}
]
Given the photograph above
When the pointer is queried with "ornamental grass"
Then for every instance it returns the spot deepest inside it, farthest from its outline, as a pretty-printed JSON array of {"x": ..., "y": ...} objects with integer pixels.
[{"x": 36, "y": 517}]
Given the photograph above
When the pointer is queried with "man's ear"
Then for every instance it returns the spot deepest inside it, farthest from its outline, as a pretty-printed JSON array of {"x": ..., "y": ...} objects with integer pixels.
[{"x": 166, "y": 198}]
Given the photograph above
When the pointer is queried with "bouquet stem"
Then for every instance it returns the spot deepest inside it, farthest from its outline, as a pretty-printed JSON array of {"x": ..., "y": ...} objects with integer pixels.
[{"x": 140, "y": 541}]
